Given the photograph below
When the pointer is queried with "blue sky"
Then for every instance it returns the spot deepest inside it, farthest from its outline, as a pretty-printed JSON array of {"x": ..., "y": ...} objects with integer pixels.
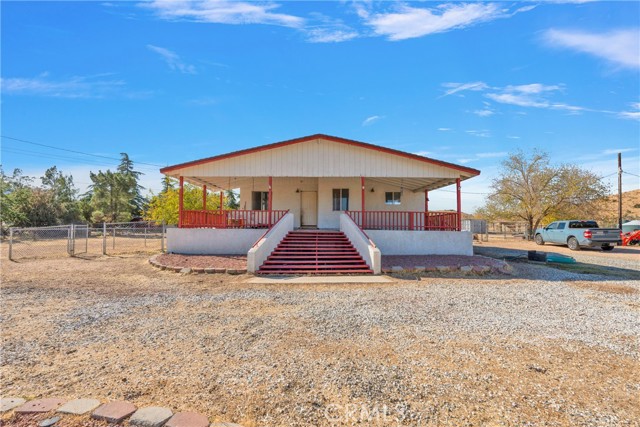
[{"x": 467, "y": 83}]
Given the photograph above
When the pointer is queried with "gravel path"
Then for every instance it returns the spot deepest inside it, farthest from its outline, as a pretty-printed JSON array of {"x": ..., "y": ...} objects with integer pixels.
[{"x": 541, "y": 347}]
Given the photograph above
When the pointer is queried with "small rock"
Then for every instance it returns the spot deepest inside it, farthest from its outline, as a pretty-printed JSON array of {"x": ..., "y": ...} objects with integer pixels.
[
  {"x": 419, "y": 268},
  {"x": 232, "y": 271},
  {"x": 466, "y": 269},
  {"x": 397, "y": 269},
  {"x": 443, "y": 268},
  {"x": 220, "y": 270},
  {"x": 49, "y": 421},
  {"x": 209, "y": 270},
  {"x": 186, "y": 270}
]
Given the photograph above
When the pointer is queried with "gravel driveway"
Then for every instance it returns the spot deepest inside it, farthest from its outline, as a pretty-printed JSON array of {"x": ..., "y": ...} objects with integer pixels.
[{"x": 542, "y": 347}]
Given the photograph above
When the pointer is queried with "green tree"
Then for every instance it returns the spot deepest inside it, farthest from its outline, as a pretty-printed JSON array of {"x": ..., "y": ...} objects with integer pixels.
[
  {"x": 231, "y": 200},
  {"x": 530, "y": 188},
  {"x": 137, "y": 201},
  {"x": 165, "y": 205},
  {"x": 111, "y": 195},
  {"x": 64, "y": 195}
]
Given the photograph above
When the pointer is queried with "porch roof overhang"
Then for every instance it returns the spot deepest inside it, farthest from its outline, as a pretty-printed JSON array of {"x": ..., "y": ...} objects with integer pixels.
[
  {"x": 410, "y": 184},
  {"x": 320, "y": 156}
]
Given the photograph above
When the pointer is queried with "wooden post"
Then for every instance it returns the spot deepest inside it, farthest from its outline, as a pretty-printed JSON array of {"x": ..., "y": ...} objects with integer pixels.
[
  {"x": 363, "y": 222},
  {"x": 221, "y": 200},
  {"x": 426, "y": 209},
  {"x": 270, "y": 201},
  {"x": 204, "y": 197},
  {"x": 459, "y": 200}
]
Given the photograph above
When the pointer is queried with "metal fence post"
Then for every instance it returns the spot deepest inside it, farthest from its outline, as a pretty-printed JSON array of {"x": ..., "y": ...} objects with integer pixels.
[
  {"x": 104, "y": 238},
  {"x": 162, "y": 234},
  {"x": 11, "y": 243},
  {"x": 114, "y": 237},
  {"x": 145, "y": 237},
  {"x": 72, "y": 241}
]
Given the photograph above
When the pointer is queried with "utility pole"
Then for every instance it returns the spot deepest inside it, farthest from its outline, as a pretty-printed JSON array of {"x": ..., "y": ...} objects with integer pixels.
[{"x": 620, "y": 191}]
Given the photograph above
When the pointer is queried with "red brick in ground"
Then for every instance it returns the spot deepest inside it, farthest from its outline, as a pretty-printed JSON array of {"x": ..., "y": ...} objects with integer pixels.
[
  {"x": 114, "y": 412},
  {"x": 188, "y": 419},
  {"x": 40, "y": 405},
  {"x": 235, "y": 262},
  {"x": 410, "y": 261}
]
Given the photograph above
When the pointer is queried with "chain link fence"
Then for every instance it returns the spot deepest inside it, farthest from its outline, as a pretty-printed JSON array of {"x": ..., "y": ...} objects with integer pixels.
[{"x": 74, "y": 240}]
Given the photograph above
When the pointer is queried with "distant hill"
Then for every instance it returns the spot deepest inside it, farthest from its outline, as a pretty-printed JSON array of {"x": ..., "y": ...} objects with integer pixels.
[{"x": 630, "y": 208}]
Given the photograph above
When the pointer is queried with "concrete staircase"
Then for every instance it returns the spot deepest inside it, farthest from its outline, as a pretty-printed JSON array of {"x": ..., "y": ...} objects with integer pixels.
[{"x": 314, "y": 252}]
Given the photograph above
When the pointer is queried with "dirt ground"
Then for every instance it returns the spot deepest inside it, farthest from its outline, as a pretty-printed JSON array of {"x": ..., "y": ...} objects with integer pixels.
[
  {"x": 538, "y": 348},
  {"x": 631, "y": 253}
]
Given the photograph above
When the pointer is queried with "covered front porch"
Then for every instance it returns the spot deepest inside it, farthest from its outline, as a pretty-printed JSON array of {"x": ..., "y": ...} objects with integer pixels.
[{"x": 372, "y": 203}]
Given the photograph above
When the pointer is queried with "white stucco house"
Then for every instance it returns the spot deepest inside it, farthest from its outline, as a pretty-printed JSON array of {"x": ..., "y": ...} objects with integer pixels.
[{"x": 330, "y": 190}]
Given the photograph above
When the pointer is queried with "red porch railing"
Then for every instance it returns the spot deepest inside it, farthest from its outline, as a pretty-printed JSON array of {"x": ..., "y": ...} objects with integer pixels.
[
  {"x": 406, "y": 220},
  {"x": 230, "y": 219}
]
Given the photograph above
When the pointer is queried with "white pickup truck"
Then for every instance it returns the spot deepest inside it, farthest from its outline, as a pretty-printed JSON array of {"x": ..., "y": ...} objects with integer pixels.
[{"x": 576, "y": 234}]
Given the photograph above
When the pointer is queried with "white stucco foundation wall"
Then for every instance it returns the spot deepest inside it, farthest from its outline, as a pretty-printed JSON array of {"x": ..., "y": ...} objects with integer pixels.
[
  {"x": 261, "y": 251},
  {"x": 367, "y": 251},
  {"x": 422, "y": 242},
  {"x": 211, "y": 241}
]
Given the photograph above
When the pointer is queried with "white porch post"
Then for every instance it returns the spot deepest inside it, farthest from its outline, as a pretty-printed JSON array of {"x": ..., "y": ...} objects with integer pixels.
[{"x": 180, "y": 201}]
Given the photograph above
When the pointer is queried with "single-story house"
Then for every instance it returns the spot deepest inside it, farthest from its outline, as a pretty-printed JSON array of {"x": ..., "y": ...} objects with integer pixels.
[{"x": 321, "y": 204}]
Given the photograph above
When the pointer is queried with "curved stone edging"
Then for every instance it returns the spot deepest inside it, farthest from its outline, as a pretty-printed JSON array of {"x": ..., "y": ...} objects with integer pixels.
[{"x": 196, "y": 270}]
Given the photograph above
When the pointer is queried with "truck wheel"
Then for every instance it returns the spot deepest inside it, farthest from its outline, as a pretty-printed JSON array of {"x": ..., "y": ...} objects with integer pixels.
[
  {"x": 573, "y": 244},
  {"x": 539, "y": 240},
  {"x": 607, "y": 248}
]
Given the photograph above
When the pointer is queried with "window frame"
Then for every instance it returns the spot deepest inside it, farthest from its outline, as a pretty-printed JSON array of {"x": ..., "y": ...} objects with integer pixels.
[
  {"x": 343, "y": 196},
  {"x": 263, "y": 202},
  {"x": 393, "y": 200}
]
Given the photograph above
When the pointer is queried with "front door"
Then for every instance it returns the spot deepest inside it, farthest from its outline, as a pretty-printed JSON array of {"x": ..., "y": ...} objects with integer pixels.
[{"x": 309, "y": 208}]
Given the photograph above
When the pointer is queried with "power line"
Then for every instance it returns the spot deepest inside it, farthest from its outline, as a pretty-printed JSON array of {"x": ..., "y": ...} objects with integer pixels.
[
  {"x": 72, "y": 151},
  {"x": 629, "y": 173}
]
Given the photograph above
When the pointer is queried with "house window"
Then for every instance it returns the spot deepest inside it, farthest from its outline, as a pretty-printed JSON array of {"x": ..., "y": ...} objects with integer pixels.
[
  {"x": 259, "y": 200},
  {"x": 340, "y": 199},
  {"x": 392, "y": 197}
]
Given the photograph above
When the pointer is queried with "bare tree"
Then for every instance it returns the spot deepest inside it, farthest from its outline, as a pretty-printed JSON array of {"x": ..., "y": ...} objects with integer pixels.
[{"x": 530, "y": 188}]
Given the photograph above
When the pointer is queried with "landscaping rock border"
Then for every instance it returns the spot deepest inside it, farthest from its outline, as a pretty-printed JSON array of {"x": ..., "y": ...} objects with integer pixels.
[
  {"x": 110, "y": 412},
  {"x": 195, "y": 270},
  {"x": 499, "y": 267}
]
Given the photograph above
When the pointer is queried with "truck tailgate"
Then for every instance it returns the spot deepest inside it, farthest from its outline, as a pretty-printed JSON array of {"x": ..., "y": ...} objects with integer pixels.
[{"x": 604, "y": 235}]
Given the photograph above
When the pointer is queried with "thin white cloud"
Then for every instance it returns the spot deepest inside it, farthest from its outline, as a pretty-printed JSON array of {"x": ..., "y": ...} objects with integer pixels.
[
  {"x": 224, "y": 12},
  {"x": 479, "y": 133},
  {"x": 618, "y": 150},
  {"x": 513, "y": 137},
  {"x": 73, "y": 87},
  {"x": 491, "y": 155},
  {"x": 329, "y": 34},
  {"x": 445, "y": 129},
  {"x": 633, "y": 115},
  {"x": 409, "y": 22},
  {"x": 371, "y": 120},
  {"x": 618, "y": 47},
  {"x": 486, "y": 112},
  {"x": 465, "y": 161},
  {"x": 460, "y": 87},
  {"x": 172, "y": 59}
]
